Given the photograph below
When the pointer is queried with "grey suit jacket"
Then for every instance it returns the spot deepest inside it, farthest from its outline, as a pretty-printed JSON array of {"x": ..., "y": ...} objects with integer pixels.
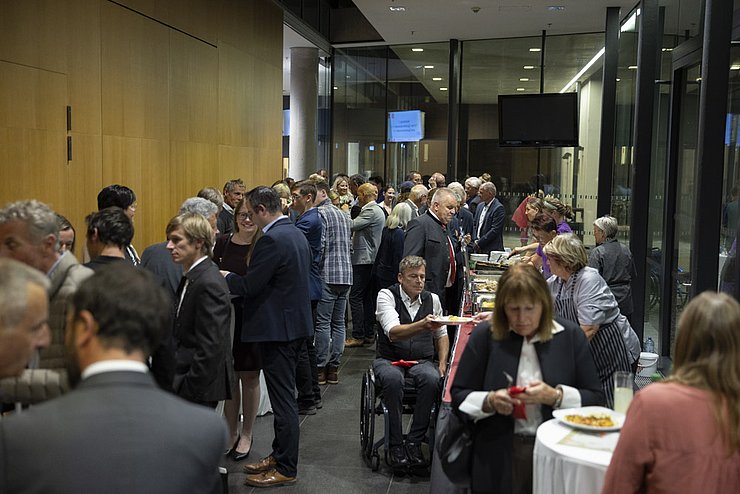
[
  {"x": 367, "y": 231},
  {"x": 116, "y": 433}
]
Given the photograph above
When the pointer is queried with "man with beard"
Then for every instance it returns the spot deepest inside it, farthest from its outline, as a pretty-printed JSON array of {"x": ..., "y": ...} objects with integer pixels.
[{"x": 117, "y": 431}]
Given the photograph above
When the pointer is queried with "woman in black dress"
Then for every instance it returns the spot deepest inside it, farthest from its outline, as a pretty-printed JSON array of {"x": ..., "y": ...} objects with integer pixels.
[{"x": 232, "y": 253}]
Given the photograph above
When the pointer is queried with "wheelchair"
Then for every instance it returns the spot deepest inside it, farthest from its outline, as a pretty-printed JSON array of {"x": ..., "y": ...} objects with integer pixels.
[{"x": 372, "y": 404}]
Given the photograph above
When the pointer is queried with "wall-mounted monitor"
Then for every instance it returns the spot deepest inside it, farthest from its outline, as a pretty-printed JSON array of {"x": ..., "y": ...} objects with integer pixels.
[
  {"x": 538, "y": 120},
  {"x": 405, "y": 126}
]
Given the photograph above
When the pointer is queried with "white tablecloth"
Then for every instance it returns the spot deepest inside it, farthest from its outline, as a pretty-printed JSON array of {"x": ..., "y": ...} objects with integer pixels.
[{"x": 567, "y": 469}]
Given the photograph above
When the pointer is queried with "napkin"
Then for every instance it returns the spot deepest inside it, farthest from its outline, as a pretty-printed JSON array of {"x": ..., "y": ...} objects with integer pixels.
[
  {"x": 520, "y": 410},
  {"x": 405, "y": 363}
]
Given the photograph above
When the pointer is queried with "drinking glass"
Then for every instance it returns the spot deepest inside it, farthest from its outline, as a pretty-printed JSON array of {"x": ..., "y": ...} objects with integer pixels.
[{"x": 622, "y": 390}]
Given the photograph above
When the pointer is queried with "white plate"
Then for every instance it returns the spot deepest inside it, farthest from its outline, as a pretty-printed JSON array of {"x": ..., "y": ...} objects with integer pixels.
[
  {"x": 453, "y": 322},
  {"x": 617, "y": 418}
]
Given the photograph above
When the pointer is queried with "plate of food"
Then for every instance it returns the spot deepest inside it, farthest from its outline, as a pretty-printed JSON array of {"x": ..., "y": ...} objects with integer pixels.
[
  {"x": 590, "y": 418},
  {"x": 453, "y": 320},
  {"x": 485, "y": 286}
]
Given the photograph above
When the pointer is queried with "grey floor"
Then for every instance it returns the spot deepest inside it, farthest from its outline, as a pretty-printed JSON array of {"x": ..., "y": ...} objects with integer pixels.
[{"x": 330, "y": 459}]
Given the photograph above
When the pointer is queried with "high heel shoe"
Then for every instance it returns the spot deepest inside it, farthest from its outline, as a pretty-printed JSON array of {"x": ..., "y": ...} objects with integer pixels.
[
  {"x": 237, "y": 456},
  {"x": 233, "y": 448}
]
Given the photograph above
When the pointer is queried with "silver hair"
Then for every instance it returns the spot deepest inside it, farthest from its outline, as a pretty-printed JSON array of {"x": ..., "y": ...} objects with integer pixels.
[
  {"x": 399, "y": 217},
  {"x": 14, "y": 280},
  {"x": 607, "y": 224},
  {"x": 441, "y": 192},
  {"x": 458, "y": 189},
  {"x": 489, "y": 186},
  {"x": 411, "y": 262},
  {"x": 200, "y": 206},
  {"x": 38, "y": 217},
  {"x": 473, "y": 182},
  {"x": 213, "y": 195},
  {"x": 417, "y": 191}
]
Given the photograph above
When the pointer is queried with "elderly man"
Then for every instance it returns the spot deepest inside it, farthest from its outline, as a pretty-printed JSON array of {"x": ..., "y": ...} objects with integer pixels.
[
  {"x": 407, "y": 315},
  {"x": 24, "y": 312},
  {"x": 416, "y": 200},
  {"x": 109, "y": 231},
  {"x": 472, "y": 184},
  {"x": 415, "y": 177},
  {"x": 276, "y": 284},
  {"x": 201, "y": 333},
  {"x": 488, "y": 231},
  {"x": 120, "y": 432},
  {"x": 437, "y": 180},
  {"x": 233, "y": 193},
  {"x": 426, "y": 237},
  {"x": 336, "y": 274},
  {"x": 29, "y": 233},
  {"x": 367, "y": 230}
]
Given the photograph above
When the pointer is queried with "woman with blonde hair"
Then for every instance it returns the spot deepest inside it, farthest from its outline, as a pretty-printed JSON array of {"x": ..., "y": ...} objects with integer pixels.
[
  {"x": 390, "y": 251},
  {"x": 560, "y": 212},
  {"x": 341, "y": 188},
  {"x": 547, "y": 359},
  {"x": 682, "y": 435}
]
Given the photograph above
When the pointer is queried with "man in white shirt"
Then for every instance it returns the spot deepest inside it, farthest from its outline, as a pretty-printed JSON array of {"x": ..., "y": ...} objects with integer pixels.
[
  {"x": 234, "y": 191},
  {"x": 407, "y": 315}
]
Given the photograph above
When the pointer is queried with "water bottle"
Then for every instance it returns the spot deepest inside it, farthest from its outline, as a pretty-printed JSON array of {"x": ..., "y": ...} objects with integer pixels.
[{"x": 650, "y": 345}]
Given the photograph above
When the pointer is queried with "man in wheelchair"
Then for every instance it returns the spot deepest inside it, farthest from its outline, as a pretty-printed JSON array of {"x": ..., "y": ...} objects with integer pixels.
[{"x": 406, "y": 347}]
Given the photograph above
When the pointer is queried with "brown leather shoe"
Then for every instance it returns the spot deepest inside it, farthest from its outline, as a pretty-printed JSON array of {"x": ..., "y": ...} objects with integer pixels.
[
  {"x": 332, "y": 375},
  {"x": 322, "y": 375},
  {"x": 353, "y": 343},
  {"x": 269, "y": 478},
  {"x": 265, "y": 464}
]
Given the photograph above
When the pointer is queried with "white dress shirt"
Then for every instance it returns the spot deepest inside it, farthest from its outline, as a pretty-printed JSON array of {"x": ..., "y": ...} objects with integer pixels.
[
  {"x": 389, "y": 318},
  {"x": 187, "y": 282},
  {"x": 114, "y": 366}
]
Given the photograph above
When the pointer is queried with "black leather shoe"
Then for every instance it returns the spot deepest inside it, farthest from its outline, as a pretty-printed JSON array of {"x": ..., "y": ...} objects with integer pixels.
[
  {"x": 397, "y": 458},
  {"x": 231, "y": 449},
  {"x": 415, "y": 455},
  {"x": 307, "y": 410},
  {"x": 237, "y": 456}
]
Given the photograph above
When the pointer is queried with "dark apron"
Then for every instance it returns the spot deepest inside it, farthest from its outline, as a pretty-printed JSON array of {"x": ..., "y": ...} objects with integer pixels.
[{"x": 607, "y": 346}]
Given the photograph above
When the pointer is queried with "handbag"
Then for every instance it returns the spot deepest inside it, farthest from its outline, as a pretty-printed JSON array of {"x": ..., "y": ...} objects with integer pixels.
[{"x": 456, "y": 449}]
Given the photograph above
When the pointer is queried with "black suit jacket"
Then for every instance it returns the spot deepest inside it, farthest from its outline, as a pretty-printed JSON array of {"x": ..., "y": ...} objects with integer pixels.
[
  {"x": 565, "y": 359},
  {"x": 427, "y": 237},
  {"x": 203, "y": 363},
  {"x": 115, "y": 432},
  {"x": 225, "y": 221},
  {"x": 276, "y": 286},
  {"x": 491, "y": 233}
]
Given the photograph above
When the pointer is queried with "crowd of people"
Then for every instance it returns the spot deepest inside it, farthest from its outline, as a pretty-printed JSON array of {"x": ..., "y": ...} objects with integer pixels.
[{"x": 265, "y": 280}]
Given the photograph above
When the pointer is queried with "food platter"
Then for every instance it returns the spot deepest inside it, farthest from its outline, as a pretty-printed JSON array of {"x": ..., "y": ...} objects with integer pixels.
[
  {"x": 453, "y": 320},
  {"x": 594, "y": 419}
]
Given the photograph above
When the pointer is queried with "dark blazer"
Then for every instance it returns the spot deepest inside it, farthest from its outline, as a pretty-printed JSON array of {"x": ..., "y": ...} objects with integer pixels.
[
  {"x": 276, "y": 286},
  {"x": 491, "y": 234},
  {"x": 427, "y": 237},
  {"x": 310, "y": 224},
  {"x": 202, "y": 335},
  {"x": 116, "y": 432},
  {"x": 473, "y": 203},
  {"x": 565, "y": 359},
  {"x": 225, "y": 221}
]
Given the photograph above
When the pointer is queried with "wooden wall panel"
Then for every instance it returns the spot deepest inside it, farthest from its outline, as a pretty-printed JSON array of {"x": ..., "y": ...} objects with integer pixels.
[
  {"x": 198, "y": 18},
  {"x": 253, "y": 27},
  {"x": 236, "y": 72},
  {"x": 135, "y": 65},
  {"x": 236, "y": 162},
  {"x": 193, "y": 90},
  {"x": 83, "y": 65},
  {"x": 30, "y": 31},
  {"x": 32, "y": 98},
  {"x": 194, "y": 165}
]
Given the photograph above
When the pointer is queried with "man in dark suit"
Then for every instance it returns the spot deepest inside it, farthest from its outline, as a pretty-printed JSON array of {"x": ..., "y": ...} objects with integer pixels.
[
  {"x": 117, "y": 432},
  {"x": 203, "y": 367},
  {"x": 472, "y": 199},
  {"x": 426, "y": 237},
  {"x": 489, "y": 221},
  {"x": 233, "y": 193},
  {"x": 276, "y": 289}
]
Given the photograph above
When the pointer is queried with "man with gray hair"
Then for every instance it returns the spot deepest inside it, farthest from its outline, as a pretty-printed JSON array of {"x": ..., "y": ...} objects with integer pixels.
[
  {"x": 614, "y": 262},
  {"x": 417, "y": 198},
  {"x": 488, "y": 232},
  {"x": 472, "y": 184},
  {"x": 29, "y": 233},
  {"x": 24, "y": 312},
  {"x": 233, "y": 193}
]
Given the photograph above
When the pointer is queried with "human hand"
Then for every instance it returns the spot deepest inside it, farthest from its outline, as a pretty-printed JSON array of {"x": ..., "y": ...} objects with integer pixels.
[
  {"x": 513, "y": 252},
  {"x": 442, "y": 368},
  {"x": 430, "y": 322},
  {"x": 539, "y": 392},
  {"x": 501, "y": 402},
  {"x": 590, "y": 330},
  {"x": 482, "y": 316},
  {"x": 467, "y": 239}
]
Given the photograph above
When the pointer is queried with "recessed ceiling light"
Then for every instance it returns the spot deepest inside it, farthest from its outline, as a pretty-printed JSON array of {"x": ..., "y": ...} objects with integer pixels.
[
  {"x": 556, "y": 7},
  {"x": 398, "y": 8},
  {"x": 335, "y": 88},
  {"x": 443, "y": 89},
  {"x": 632, "y": 67},
  {"x": 535, "y": 49},
  {"x": 666, "y": 49},
  {"x": 735, "y": 67},
  {"x": 524, "y": 79},
  {"x": 520, "y": 89},
  {"x": 618, "y": 79},
  {"x": 528, "y": 67},
  {"x": 429, "y": 66},
  {"x": 417, "y": 49},
  {"x": 698, "y": 79},
  {"x": 436, "y": 78}
]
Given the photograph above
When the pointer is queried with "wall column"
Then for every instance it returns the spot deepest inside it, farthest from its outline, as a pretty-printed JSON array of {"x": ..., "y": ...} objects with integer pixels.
[{"x": 304, "y": 79}]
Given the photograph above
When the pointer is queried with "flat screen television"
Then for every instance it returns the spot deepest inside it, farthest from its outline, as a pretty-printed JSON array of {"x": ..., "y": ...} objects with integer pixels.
[
  {"x": 538, "y": 120},
  {"x": 405, "y": 126}
]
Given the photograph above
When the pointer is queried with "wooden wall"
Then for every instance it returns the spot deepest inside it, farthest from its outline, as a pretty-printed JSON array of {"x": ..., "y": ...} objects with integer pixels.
[{"x": 167, "y": 97}]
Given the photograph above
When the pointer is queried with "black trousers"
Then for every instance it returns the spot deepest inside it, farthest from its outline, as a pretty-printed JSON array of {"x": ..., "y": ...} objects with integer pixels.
[
  {"x": 361, "y": 302},
  {"x": 279, "y": 366},
  {"x": 307, "y": 372}
]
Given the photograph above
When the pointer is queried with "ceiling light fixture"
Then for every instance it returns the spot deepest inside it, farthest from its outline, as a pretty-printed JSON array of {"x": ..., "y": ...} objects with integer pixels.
[
  {"x": 524, "y": 79},
  {"x": 632, "y": 67},
  {"x": 535, "y": 49},
  {"x": 618, "y": 79},
  {"x": 598, "y": 55},
  {"x": 520, "y": 89},
  {"x": 436, "y": 78},
  {"x": 399, "y": 8},
  {"x": 666, "y": 49},
  {"x": 335, "y": 88},
  {"x": 443, "y": 89},
  {"x": 528, "y": 67},
  {"x": 429, "y": 66},
  {"x": 556, "y": 7},
  {"x": 417, "y": 49},
  {"x": 735, "y": 67}
]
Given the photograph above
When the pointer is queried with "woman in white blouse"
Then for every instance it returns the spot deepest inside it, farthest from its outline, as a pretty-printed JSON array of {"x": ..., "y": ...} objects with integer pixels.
[{"x": 521, "y": 345}]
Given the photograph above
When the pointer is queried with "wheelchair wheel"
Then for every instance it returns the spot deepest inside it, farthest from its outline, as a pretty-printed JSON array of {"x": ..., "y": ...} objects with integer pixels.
[
  {"x": 375, "y": 462},
  {"x": 367, "y": 420}
]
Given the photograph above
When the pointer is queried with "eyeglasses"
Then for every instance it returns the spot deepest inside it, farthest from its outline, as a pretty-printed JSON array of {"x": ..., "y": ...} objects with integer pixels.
[
  {"x": 295, "y": 196},
  {"x": 243, "y": 216}
]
